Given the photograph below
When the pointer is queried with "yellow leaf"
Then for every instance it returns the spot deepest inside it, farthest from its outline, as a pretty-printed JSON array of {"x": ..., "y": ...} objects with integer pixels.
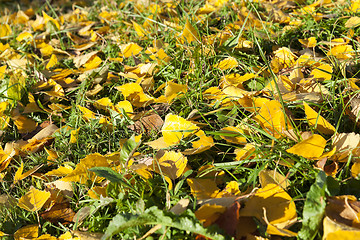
[
  {"x": 2, "y": 71},
  {"x": 172, "y": 90},
  {"x": 5, "y": 30},
  {"x": 126, "y": 106},
  {"x": 233, "y": 135},
  {"x": 86, "y": 113},
  {"x": 24, "y": 124},
  {"x": 273, "y": 177},
  {"x": 227, "y": 63},
  {"x": 33, "y": 200},
  {"x": 47, "y": 19},
  {"x": 52, "y": 62},
  {"x": 245, "y": 152},
  {"x": 28, "y": 37},
  {"x": 68, "y": 236},
  {"x": 344, "y": 235},
  {"x": 134, "y": 93},
  {"x": 46, "y": 50},
  {"x": 130, "y": 49},
  {"x": 317, "y": 121},
  {"x": 92, "y": 63},
  {"x": 204, "y": 143},
  {"x": 345, "y": 144},
  {"x": 266, "y": 198},
  {"x": 189, "y": 33},
  {"x": 313, "y": 147},
  {"x": 273, "y": 230},
  {"x": 139, "y": 29},
  {"x": 82, "y": 174},
  {"x": 355, "y": 169},
  {"x": 103, "y": 103},
  {"x": 352, "y": 22},
  {"x": 273, "y": 119},
  {"x": 172, "y": 164},
  {"x": 309, "y": 42},
  {"x": 342, "y": 52},
  {"x": 176, "y": 128},
  {"x": 203, "y": 188},
  {"x": 27, "y": 232},
  {"x": 283, "y": 58},
  {"x": 46, "y": 237},
  {"x": 32, "y": 105},
  {"x": 60, "y": 172},
  {"x": 18, "y": 173},
  {"x": 236, "y": 79},
  {"x": 231, "y": 190},
  {"x": 322, "y": 72},
  {"x": 96, "y": 191},
  {"x": 74, "y": 135},
  {"x": 208, "y": 214},
  {"x": 52, "y": 155},
  {"x": 16, "y": 85}
]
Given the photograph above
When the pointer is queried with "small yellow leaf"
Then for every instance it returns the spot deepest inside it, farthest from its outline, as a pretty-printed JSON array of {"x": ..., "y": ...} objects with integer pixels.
[
  {"x": 273, "y": 119},
  {"x": 172, "y": 164},
  {"x": 313, "y": 147},
  {"x": 92, "y": 63},
  {"x": 266, "y": 198},
  {"x": 208, "y": 214},
  {"x": 245, "y": 152},
  {"x": 352, "y": 22},
  {"x": 189, "y": 33},
  {"x": 28, "y": 37},
  {"x": 52, "y": 62},
  {"x": 273, "y": 230},
  {"x": 203, "y": 188},
  {"x": 227, "y": 63},
  {"x": 46, "y": 50},
  {"x": 47, "y": 19},
  {"x": 317, "y": 121},
  {"x": 74, "y": 135},
  {"x": 103, "y": 103},
  {"x": 87, "y": 114},
  {"x": 18, "y": 173},
  {"x": 2, "y": 71},
  {"x": 139, "y": 29},
  {"x": 176, "y": 128},
  {"x": 172, "y": 90},
  {"x": 233, "y": 135},
  {"x": 5, "y": 30},
  {"x": 82, "y": 174},
  {"x": 308, "y": 43},
  {"x": 60, "y": 172},
  {"x": 24, "y": 124},
  {"x": 96, "y": 191},
  {"x": 130, "y": 49},
  {"x": 323, "y": 72},
  {"x": 33, "y": 200},
  {"x": 342, "y": 52},
  {"x": 274, "y": 177},
  {"x": 27, "y": 232}
]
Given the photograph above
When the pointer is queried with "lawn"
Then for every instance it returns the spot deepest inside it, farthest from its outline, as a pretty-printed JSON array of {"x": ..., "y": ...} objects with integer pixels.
[{"x": 179, "y": 119}]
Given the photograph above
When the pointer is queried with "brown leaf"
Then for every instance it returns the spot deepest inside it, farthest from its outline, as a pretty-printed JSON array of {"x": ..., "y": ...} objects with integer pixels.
[
  {"x": 147, "y": 124},
  {"x": 229, "y": 219},
  {"x": 60, "y": 212}
]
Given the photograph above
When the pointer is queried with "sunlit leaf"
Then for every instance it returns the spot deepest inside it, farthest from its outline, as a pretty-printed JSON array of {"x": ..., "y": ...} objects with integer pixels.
[
  {"x": 130, "y": 49},
  {"x": 33, "y": 200},
  {"x": 317, "y": 121},
  {"x": 27, "y": 232},
  {"x": 208, "y": 214},
  {"x": 5, "y": 30},
  {"x": 52, "y": 62},
  {"x": 189, "y": 33},
  {"x": 171, "y": 164},
  {"x": 176, "y": 128},
  {"x": 203, "y": 188},
  {"x": 227, "y": 63},
  {"x": 313, "y": 147}
]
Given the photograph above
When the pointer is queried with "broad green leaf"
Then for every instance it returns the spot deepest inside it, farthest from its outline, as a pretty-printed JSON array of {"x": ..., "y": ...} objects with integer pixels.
[{"x": 314, "y": 208}]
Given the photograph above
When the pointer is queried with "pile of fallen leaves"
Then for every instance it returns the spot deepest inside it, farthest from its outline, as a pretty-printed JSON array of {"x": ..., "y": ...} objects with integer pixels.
[{"x": 194, "y": 99}]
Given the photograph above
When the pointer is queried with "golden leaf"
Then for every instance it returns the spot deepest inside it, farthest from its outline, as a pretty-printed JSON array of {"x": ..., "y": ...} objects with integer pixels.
[
  {"x": 273, "y": 177},
  {"x": 74, "y": 135},
  {"x": 233, "y": 135},
  {"x": 82, "y": 174},
  {"x": 171, "y": 164},
  {"x": 52, "y": 62},
  {"x": 24, "y": 124},
  {"x": 322, "y": 72},
  {"x": 245, "y": 153},
  {"x": 208, "y": 214},
  {"x": 27, "y": 232},
  {"x": 273, "y": 119},
  {"x": 130, "y": 49},
  {"x": 313, "y": 147},
  {"x": 28, "y": 37},
  {"x": 227, "y": 63},
  {"x": 33, "y": 200},
  {"x": 203, "y": 188},
  {"x": 189, "y": 33},
  {"x": 352, "y": 22},
  {"x": 5, "y": 30},
  {"x": 176, "y": 128},
  {"x": 87, "y": 114},
  {"x": 317, "y": 121},
  {"x": 266, "y": 198},
  {"x": 309, "y": 42},
  {"x": 96, "y": 191}
]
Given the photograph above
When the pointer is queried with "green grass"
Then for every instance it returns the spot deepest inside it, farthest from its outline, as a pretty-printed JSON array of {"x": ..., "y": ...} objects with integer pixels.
[{"x": 191, "y": 64}]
